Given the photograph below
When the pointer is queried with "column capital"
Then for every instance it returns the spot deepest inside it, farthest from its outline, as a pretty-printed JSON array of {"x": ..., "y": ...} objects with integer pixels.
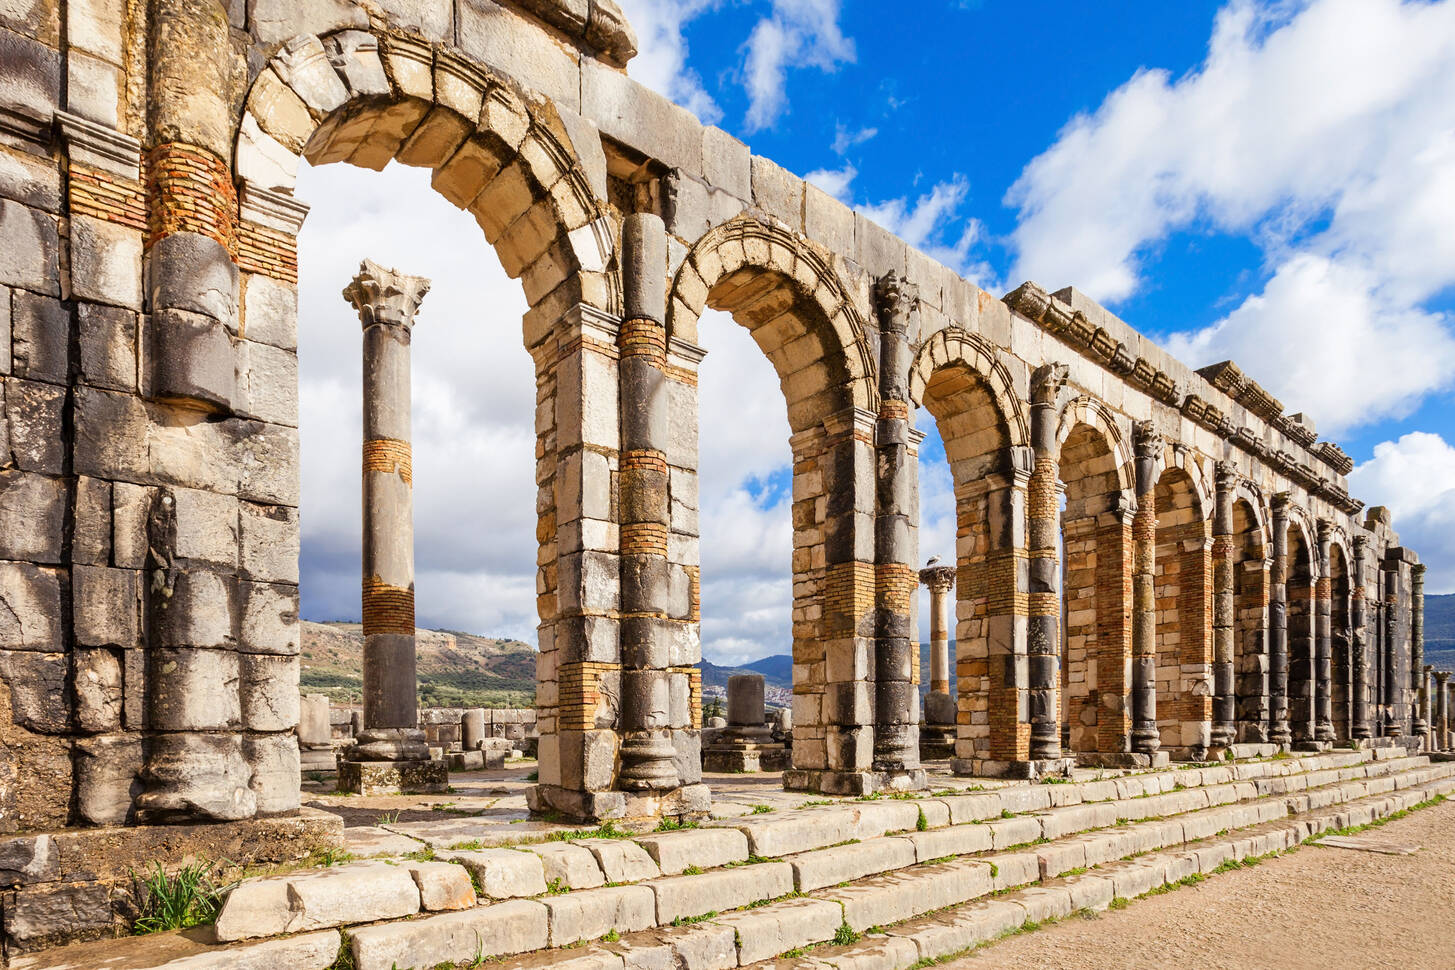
[
  {"x": 1047, "y": 382},
  {"x": 1281, "y": 503},
  {"x": 938, "y": 578},
  {"x": 1147, "y": 441},
  {"x": 385, "y": 296},
  {"x": 1225, "y": 477},
  {"x": 898, "y": 298}
]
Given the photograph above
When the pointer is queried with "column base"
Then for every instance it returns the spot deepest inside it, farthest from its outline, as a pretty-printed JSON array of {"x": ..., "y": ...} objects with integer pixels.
[
  {"x": 637, "y": 811},
  {"x": 1122, "y": 759},
  {"x": 936, "y": 742},
  {"x": 1045, "y": 768},
  {"x": 419, "y": 777},
  {"x": 854, "y": 782},
  {"x": 1312, "y": 745},
  {"x": 745, "y": 757}
]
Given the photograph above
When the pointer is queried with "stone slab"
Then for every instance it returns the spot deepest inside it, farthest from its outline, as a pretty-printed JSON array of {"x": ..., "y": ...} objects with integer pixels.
[{"x": 394, "y": 777}]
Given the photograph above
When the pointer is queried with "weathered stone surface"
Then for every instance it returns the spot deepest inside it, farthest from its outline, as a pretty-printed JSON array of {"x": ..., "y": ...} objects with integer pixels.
[
  {"x": 267, "y": 383},
  {"x": 98, "y": 686},
  {"x": 622, "y": 860},
  {"x": 40, "y": 338},
  {"x": 269, "y": 619},
  {"x": 269, "y": 546},
  {"x": 32, "y": 515},
  {"x": 718, "y": 891},
  {"x": 271, "y": 311},
  {"x": 498, "y": 930},
  {"x": 311, "y": 951},
  {"x": 269, "y": 686},
  {"x": 502, "y": 873},
  {"x": 829, "y": 867},
  {"x": 197, "y": 776},
  {"x": 29, "y": 248},
  {"x": 569, "y": 866},
  {"x": 442, "y": 885},
  {"x": 106, "y": 777},
  {"x": 108, "y": 345},
  {"x": 34, "y": 414},
  {"x": 770, "y": 930},
  {"x": 106, "y": 606},
  {"x": 274, "y": 762},
  {"x": 105, "y": 261},
  {"x": 37, "y": 684},
  {"x": 360, "y": 892},
  {"x": 590, "y": 914},
  {"x": 29, "y": 860},
  {"x": 57, "y": 913},
  {"x": 706, "y": 848},
  {"x": 191, "y": 360}
]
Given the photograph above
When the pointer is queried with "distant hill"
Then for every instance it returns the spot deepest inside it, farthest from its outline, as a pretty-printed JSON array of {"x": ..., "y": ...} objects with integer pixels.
[
  {"x": 1440, "y": 631},
  {"x": 455, "y": 669},
  {"x": 777, "y": 670}
]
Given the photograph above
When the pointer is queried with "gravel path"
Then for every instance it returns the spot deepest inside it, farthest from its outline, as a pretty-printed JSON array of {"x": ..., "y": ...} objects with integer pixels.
[{"x": 1316, "y": 909}]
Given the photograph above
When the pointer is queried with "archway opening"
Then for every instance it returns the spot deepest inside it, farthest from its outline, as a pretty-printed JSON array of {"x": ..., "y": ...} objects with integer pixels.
[
  {"x": 1184, "y": 617},
  {"x": 1299, "y": 590},
  {"x": 1250, "y": 624},
  {"x": 1340, "y": 642}
]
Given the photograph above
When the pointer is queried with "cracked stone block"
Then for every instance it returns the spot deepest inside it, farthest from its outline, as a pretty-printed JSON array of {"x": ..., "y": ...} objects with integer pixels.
[
  {"x": 270, "y": 543},
  {"x": 32, "y": 516},
  {"x": 568, "y": 865},
  {"x": 193, "y": 690},
  {"x": 621, "y": 860},
  {"x": 108, "y": 337},
  {"x": 274, "y": 760},
  {"x": 502, "y": 873},
  {"x": 270, "y": 698},
  {"x": 28, "y": 860},
  {"x": 201, "y": 611},
  {"x": 360, "y": 892},
  {"x": 97, "y": 681},
  {"x": 107, "y": 777},
  {"x": 34, "y": 424},
  {"x": 452, "y": 938},
  {"x": 45, "y": 915},
  {"x": 91, "y": 538},
  {"x": 270, "y": 619},
  {"x": 442, "y": 886},
  {"x": 591, "y": 913},
  {"x": 192, "y": 272},
  {"x": 40, "y": 338},
  {"x": 106, "y": 605},
  {"x": 30, "y": 608},
  {"x": 271, "y": 315}
]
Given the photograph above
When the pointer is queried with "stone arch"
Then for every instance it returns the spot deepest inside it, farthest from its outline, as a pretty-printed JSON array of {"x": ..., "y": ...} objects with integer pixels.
[
  {"x": 798, "y": 309},
  {"x": 983, "y": 424},
  {"x": 804, "y": 319},
  {"x": 1250, "y": 616},
  {"x": 1299, "y": 590},
  {"x": 1097, "y": 476},
  {"x": 535, "y": 183},
  {"x": 1341, "y": 638},
  {"x": 1184, "y": 613}
]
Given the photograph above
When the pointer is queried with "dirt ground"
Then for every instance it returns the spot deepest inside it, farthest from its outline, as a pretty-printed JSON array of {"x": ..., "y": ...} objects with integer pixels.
[{"x": 1315, "y": 909}]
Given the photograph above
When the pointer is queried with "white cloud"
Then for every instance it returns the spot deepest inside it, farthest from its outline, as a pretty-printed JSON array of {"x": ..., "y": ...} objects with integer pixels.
[
  {"x": 798, "y": 33},
  {"x": 1323, "y": 129},
  {"x": 1415, "y": 478},
  {"x": 844, "y": 139},
  {"x": 837, "y": 182},
  {"x": 661, "y": 61}
]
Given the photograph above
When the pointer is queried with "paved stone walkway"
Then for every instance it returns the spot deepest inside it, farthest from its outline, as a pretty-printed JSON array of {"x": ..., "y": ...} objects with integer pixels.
[{"x": 1316, "y": 909}]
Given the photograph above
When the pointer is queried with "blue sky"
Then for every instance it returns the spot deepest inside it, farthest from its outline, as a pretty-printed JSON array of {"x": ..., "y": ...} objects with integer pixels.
[{"x": 1268, "y": 181}]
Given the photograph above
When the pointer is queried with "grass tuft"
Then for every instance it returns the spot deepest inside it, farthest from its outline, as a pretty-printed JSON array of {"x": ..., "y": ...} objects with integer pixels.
[{"x": 177, "y": 901}]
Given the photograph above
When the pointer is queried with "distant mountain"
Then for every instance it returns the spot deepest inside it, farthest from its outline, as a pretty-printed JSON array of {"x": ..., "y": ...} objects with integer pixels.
[{"x": 777, "y": 670}]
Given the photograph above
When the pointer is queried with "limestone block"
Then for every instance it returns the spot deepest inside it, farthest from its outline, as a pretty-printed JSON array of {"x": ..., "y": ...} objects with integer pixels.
[
  {"x": 621, "y": 860},
  {"x": 770, "y": 930},
  {"x": 193, "y": 690},
  {"x": 726, "y": 163},
  {"x": 898, "y": 896},
  {"x": 207, "y": 526},
  {"x": 30, "y": 608},
  {"x": 196, "y": 776},
  {"x": 640, "y": 117},
  {"x": 192, "y": 272},
  {"x": 34, "y": 413},
  {"x": 28, "y": 860},
  {"x": 108, "y": 341},
  {"x": 37, "y": 683},
  {"x": 829, "y": 867},
  {"x": 591, "y": 914},
  {"x": 1059, "y": 857},
  {"x": 1017, "y": 799},
  {"x": 783, "y": 833},
  {"x": 827, "y": 221},
  {"x": 32, "y": 516},
  {"x": 105, "y": 262},
  {"x": 275, "y": 764},
  {"x": 953, "y": 840},
  {"x": 502, "y": 873},
  {"x": 267, "y": 383},
  {"x": 359, "y": 892},
  {"x": 569, "y": 866},
  {"x": 29, "y": 248},
  {"x": 277, "y": 20},
  {"x": 442, "y": 886},
  {"x": 95, "y": 26},
  {"x": 51, "y": 914},
  {"x": 719, "y": 891},
  {"x": 451, "y": 938},
  {"x": 269, "y": 543},
  {"x": 32, "y": 78},
  {"x": 269, "y": 691},
  {"x": 107, "y": 606},
  {"x": 703, "y": 946},
  {"x": 503, "y": 39},
  {"x": 267, "y": 456},
  {"x": 40, "y": 338},
  {"x": 262, "y": 159},
  {"x": 270, "y": 311},
  {"x": 189, "y": 360},
  {"x": 1015, "y": 869},
  {"x": 129, "y": 507},
  {"x": 311, "y": 951},
  {"x": 269, "y": 619}
]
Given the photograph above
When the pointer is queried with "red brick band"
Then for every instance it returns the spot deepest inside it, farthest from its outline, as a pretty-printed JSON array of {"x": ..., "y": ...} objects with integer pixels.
[
  {"x": 387, "y": 609},
  {"x": 390, "y": 456}
]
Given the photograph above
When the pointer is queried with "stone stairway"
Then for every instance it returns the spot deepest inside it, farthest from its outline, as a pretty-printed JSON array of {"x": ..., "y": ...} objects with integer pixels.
[{"x": 852, "y": 883}]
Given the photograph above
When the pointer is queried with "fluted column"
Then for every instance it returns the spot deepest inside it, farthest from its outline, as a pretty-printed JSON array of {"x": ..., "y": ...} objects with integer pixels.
[
  {"x": 646, "y": 747},
  {"x": 1280, "y": 731},
  {"x": 1043, "y": 644},
  {"x": 1225, "y": 707},
  {"x": 1393, "y": 727},
  {"x": 939, "y": 580},
  {"x": 1359, "y": 642},
  {"x": 1323, "y": 672},
  {"x": 387, "y": 301},
  {"x": 1145, "y": 737},
  {"x": 1420, "y": 721},
  {"x": 896, "y": 692}
]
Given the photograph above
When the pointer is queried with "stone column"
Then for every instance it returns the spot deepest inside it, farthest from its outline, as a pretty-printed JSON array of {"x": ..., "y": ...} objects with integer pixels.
[
  {"x": 387, "y": 301},
  {"x": 1442, "y": 710},
  {"x": 940, "y": 580},
  {"x": 1043, "y": 528},
  {"x": 646, "y": 747},
  {"x": 1420, "y": 721},
  {"x": 1359, "y": 642},
  {"x": 1145, "y": 737},
  {"x": 1280, "y": 732},
  {"x": 472, "y": 729},
  {"x": 896, "y": 688},
  {"x": 1393, "y": 726},
  {"x": 1323, "y": 672},
  {"x": 1224, "y": 729},
  {"x": 746, "y": 744}
]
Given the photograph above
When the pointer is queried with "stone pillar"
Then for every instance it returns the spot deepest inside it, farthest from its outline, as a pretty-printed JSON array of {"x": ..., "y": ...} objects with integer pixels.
[
  {"x": 1323, "y": 672},
  {"x": 1418, "y": 670},
  {"x": 646, "y": 731},
  {"x": 313, "y": 724},
  {"x": 937, "y": 736},
  {"x": 472, "y": 729},
  {"x": 1145, "y": 737},
  {"x": 1359, "y": 643},
  {"x": 1043, "y": 530},
  {"x": 1442, "y": 710},
  {"x": 391, "y": 751},
  {"x": 896, "y": 649},
  {"x": 1224, "y": 729},
  {"x": 746, "y": 743},
  {"x": 1280, "y": 732},
  {"x": 1393, "y": 724}
]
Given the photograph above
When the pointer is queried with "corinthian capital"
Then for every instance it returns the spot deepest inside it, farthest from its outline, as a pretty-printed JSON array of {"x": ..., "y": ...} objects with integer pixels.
[
  {"x": 385, "y": 296},
  {"x": 1047, "y": 381},
  {"x": 897, "y": 299},
  {"x": 1147, "y": 441}
]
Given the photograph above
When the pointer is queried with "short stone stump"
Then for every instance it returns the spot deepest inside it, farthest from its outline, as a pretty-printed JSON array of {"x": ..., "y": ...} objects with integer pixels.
[
  {"x": 1122, "y": 759},
  {"x": 743, "y": 758},
  {"x": 430, "y": 777}
]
